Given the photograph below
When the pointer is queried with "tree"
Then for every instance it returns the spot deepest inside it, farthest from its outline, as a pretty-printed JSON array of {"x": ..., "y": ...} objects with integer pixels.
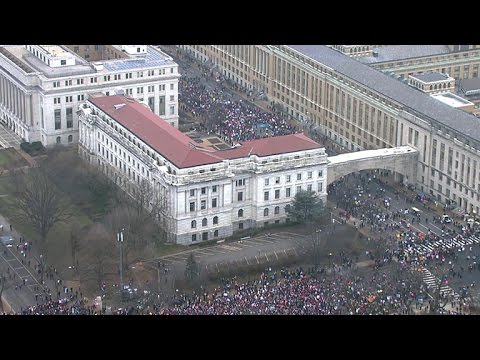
[
  {"x": 306, "y": 206},
  {"x": 438, "y": 300},
  {"x": 100, "y": 245},
  {"x": 191, "y": 269},
  {"x": 4, "y": 285},
  {"x": 39, "y": 203},
  {"x": 75, "y": 244}
]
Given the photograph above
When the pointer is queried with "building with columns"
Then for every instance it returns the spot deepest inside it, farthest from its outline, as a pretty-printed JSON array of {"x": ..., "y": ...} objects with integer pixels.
[
  {"x": 42, "y": 85},
  {"x": 208, "y": 193},
  {"x": 360, "y": 107}
]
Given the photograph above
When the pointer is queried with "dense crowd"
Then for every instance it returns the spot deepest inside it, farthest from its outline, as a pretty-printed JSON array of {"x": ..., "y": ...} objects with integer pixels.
[
  {"x": 233, "y": 121},
  {"x": 301, "y": 292}
]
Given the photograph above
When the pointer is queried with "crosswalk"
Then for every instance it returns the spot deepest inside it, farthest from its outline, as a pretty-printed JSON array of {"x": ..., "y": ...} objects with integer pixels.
[
  {"x": 432, "y": 283},
  {"x": 443, "y": 244}
]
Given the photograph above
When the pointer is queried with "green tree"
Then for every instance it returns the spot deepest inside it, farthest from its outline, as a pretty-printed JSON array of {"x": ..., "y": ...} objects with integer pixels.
[
  {"x": 306, "y": 206},
  {"x": 191, "y": 269}
]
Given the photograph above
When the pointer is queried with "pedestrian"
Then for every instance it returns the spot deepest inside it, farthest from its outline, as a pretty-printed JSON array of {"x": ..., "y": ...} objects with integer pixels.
[{"x": 11, "y": 228}]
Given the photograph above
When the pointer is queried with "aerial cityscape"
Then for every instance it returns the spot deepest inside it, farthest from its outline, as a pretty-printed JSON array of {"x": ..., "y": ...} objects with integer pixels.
[{"x": 239, "y": 179}]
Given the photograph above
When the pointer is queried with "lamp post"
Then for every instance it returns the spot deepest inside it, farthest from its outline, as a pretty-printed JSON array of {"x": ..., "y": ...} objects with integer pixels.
[
  {"x": 316, "y": 238},
  {"x": 120, "y": 240}
]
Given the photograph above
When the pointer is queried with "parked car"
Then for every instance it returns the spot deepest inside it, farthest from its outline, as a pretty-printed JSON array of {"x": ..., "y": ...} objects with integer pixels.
[{"x": 6, "y": 240}]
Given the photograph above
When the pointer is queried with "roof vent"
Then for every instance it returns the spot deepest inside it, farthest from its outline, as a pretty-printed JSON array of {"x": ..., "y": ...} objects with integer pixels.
[{"x": 118, "y": 106}]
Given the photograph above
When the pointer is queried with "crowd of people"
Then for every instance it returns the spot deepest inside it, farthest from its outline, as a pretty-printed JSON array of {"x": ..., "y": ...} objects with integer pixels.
[
  {"x": 300, "y": 292},
  {"x": 232, "y": 120}
]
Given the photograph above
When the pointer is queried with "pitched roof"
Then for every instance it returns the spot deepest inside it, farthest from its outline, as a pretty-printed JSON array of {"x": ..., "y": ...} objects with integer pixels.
[{"x": 177, "y": 147}]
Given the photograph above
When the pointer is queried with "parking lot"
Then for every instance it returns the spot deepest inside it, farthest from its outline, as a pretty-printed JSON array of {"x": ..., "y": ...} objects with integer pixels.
[{"x": 271, "y": 246}]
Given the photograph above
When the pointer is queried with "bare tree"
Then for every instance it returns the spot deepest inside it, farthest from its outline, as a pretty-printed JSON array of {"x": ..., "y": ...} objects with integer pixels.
[
  {"x": 438, "y": 300},
  {"x": 39, "y": 204},
  {"x": 4, "y": 285},
  {"x": 139, "y": 218},
  {"x": 100, "y": 246}
]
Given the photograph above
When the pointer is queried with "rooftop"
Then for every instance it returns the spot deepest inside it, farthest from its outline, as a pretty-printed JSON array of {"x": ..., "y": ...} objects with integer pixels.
[
  {"x": 401, "y": 52},
  {"x": 393, "y": 89},
  {"x": 24, "y": 58},
  {"x": 178, "y": 148},
  {"x": 366, "y": 154},
  {"x": 55, "y": 50},
  {"x": 153, "y": 58},
  {"x": 431, "y": 77},
  {"x": 451, "y": 99},
  {"x": 30, "y": 63},
  {"x": 469, "y": 84}
]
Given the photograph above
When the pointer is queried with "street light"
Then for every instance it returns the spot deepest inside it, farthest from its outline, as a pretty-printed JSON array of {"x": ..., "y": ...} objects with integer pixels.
[
  {"x": 120, "y": 240},
  {"x": 316, "y": 238}
]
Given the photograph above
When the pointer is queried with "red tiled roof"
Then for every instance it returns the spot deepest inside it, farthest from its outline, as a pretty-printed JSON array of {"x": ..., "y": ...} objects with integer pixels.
[
  {"x": 178, "y": 147},
  {"x": 154, "y": 131}
]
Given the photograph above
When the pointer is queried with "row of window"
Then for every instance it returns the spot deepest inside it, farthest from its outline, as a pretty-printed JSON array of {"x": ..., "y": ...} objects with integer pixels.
[
  {"x": 288, "y": 178},
  {"x": 203, "y": 190},
  {"x": 93, "y": 80},
  {"x": 58, "y": 118},
  {"x": 205, "y": 235},
  {"x": 203, "y": 204},
  {"x": 193, "y": 224}
]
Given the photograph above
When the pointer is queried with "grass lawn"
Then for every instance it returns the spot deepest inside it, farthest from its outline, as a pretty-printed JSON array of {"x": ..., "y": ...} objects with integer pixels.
[{"x": 11, "y": 156}]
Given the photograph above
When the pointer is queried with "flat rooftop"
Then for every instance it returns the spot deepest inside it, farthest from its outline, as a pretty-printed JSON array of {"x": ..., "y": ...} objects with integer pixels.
[
  {"x": 153, "y": 58},
  {"x": 30, "y": 63},
  {"x": 451, "y": 99},
  {"x": 430, "y": 77},
  {"x": 55, "y": 50},
  {"x": 399, "y": 92},
  {"x": 401, "y": 52}
]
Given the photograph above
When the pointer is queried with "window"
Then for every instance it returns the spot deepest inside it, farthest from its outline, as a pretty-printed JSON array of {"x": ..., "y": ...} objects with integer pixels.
[
  {"x": 58, "y": 123},
  {"x": 172, "y": 87},
  {"x": 192, "y": 206},
  {"x": 214, "y": 202},
  {"x": 299, "y": 188},
  {"x": 299, "y": 176},
  {"x": 265, "y": 212},
  {"x": 56, "y": 100},
  {"x": 69, "y": 118},
  {"x": 139, "y": 90},
  {"x": 203, "y": 190},
  {"x": 320, "y": 173},
  {"x": 240, "y": 196},
  {"x": 215, "y": 220},
  {"x": 80, "y": 97},
  {"x": 309, "y": 187},
  {"x": 203, "y": 204},
  {"x": 240, "y": 226},
  {"x": 56, "y": 84},
  {"x": 172, "y": 110},
  {"x": 309, "y": 175},
  {"x": 215, "y": 233},
  {"x": 193, "y": 224},
  {"x": 214, "y": 188},
  {"x": 277, "y": 194},
  {"x": 205, "y": 236},
  {"x": 266, "y": 195},
  {"x": 172, "y": 97},
  {"x": 70, "y": 138},
  {"x": 192, "y": 192},
  {"x": 287, "y": 192},
  {"x": 277, "y": 180},
  {"x": 267, "y": 182},
  {"x": 59, "y": 139},
  {"x": 194, "y": 237},
  {"x": 204, "y": 222},
  {"x": 161, "y": 102},
  {"x": 276, "y": 210},
  {"x": 320, "y": 187},
  {"x": 289, "y": 178}
]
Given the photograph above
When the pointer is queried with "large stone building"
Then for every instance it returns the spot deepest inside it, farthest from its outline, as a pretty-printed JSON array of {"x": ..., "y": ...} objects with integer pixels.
[
  {"x": 207, "y": 193},
  {"x": 360, "y": 107},
  {"x": 42, "y": 85}
]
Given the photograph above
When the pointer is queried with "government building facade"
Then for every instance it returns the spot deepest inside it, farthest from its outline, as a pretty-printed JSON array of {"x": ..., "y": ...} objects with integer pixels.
[
  {"x": 42, "y": 85},
  {"x": 360, "y": 107},
  {"x": 207, "y": 194}
]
